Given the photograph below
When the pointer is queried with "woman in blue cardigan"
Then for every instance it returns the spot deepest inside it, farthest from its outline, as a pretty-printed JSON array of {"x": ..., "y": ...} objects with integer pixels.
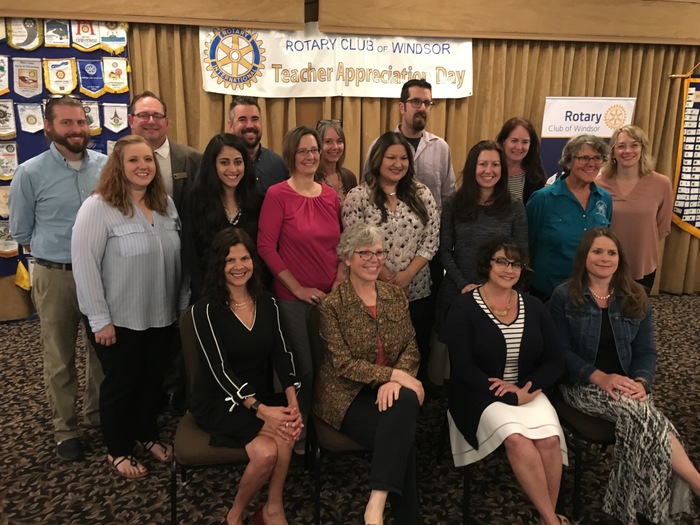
[{"x": 606, "y": 331}]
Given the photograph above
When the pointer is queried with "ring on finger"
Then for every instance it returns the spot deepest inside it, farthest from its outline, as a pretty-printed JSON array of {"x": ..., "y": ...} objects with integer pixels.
[{"x": 286, "y": 425}]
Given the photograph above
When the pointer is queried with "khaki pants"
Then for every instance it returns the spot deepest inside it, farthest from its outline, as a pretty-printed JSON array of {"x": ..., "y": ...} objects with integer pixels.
[{"x": 56, "y": 301}]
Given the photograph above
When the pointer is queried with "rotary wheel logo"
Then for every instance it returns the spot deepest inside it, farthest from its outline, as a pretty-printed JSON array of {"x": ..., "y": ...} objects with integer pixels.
[
  {"x": 615, "y": 116},
  {"x": 234, "y": 57}
]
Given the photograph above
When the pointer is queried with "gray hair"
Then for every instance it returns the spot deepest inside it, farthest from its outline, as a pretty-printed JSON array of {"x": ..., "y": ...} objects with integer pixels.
[
  {"x": 359, "y": 234},
  {"x": 576, "y": 143}
]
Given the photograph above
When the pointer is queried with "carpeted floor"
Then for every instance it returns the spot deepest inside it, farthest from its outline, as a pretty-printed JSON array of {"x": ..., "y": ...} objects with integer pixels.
[{"x": 36, "y": 488}]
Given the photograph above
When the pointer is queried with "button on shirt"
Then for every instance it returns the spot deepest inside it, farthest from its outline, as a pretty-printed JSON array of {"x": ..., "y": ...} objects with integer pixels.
[{"x": 45, "y": 195}]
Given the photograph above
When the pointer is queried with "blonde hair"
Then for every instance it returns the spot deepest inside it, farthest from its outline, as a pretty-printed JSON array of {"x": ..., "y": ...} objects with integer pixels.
[{"x": 646, "y": 161}]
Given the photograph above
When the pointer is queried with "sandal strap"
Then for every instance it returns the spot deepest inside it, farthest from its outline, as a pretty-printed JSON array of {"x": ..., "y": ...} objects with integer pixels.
[
  {"x": 132, "y": 460},
  {"x": 148, "y": 445}
]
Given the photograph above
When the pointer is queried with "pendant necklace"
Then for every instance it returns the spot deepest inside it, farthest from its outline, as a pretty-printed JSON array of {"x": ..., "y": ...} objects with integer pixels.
[
  {"x": 499, "y": 313},
  {"x": 603, "y": 297}
]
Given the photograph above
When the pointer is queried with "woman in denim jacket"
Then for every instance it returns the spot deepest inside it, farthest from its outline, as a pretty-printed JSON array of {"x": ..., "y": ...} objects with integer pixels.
[{"x": 606, "y": 330}]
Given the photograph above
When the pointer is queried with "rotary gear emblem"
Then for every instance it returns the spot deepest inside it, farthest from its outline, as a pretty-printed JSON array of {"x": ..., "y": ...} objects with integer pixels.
[
  {"x": 235, "y": 57},
  {"x": 615, "y": 116}
]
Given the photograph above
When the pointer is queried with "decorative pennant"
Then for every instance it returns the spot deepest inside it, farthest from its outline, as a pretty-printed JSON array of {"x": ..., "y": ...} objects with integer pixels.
[
  {"x": 60, "y": 75},
  {"x": 115, "y": 117},
  {"x": 27, "y": 75},
  {"x": 85, "y": 35},
  {"x": 4, "y": 74},
  {"x": 8, "y": 129},
  {"x": 114, "y": 70},
  {"x": 92, "y": 113},
  {"x": 97, "y": 144},
  {"x": 3, "y": 32},
  {"x": 4, "y": 202},
  {"x": 92, "y": 82},
  {"x": 24, "y": 33},
  {"x": 8, "y": 160},
  {"x": 56, "y": 33},
  {"x": 31, "y": 118},
  {"x": 8, "y": 246},
  {"x": 113, "y": 36},
  {"x": 110, "y": 146}
]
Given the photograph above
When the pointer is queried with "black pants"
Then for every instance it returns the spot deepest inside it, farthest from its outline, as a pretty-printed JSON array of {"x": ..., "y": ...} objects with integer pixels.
[
  {"x": 422, "y": 318},
  {"x": 130, "y": 392},
  {"x": 391, "y": 436},
  {"x": 647, "y": 281}
]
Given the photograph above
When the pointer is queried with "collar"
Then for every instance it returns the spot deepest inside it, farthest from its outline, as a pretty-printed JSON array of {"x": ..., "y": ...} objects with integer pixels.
[
  {"x": 164, "y": 150},
  {"x": 58, "y": 157},
  {"x": 559, "y": 187},
  {"x": 349, "y": 297}
]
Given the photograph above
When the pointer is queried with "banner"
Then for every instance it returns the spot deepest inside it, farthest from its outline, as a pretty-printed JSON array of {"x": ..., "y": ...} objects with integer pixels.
[
  {"x": 86, "y": 36},
  {"x": 113, "y": 36},
  {"x": 60, "y": 74},
  {"x": 7, "y": 120},
  {"x": 92, "y": 82},
  {"x": 56, "y": 33},
  {"x": 28, "y": 78},
  {"x": 114, "y": 73},
  {"x": 24, "y": 33},
  {"x": 686, "y": 207},
  {"x": 8, "y": 160},
  {"x": 31, "y": 118},
  {"x": 566, "y": 117},
  {"x": 313, "y": 64},
  {"x": 92, "y": 113},
  {"x": 4, "y": 74},
  {"x": 115, "y": 116}
]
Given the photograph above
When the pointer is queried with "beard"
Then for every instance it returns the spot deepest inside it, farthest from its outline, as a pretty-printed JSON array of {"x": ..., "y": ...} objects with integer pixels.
[
  {"x": 251, "y": 143},
  {"x": 72, "y": 146},
  {"x": 420, "y": 119}
]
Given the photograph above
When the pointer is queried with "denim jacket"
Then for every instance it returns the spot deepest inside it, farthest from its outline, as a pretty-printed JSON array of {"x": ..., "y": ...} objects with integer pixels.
[{"x": 579, "y": 334}]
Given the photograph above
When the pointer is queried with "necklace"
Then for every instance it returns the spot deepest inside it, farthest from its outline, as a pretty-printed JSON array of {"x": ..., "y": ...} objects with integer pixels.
[
  {"x": 499, "y": 313},
  {"x": 604, "y": 297},
  {"x": 390, "y": 194},
  {"x": 240, "y": 306},
  {"x": 232, "y": 219}
]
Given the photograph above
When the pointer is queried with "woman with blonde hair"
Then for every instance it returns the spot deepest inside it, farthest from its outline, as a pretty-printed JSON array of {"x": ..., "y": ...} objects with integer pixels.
[
  {"x": 330, "y": 169},
  {"x": 126, "y": 263},
  {"x": 642, "y": 201}
]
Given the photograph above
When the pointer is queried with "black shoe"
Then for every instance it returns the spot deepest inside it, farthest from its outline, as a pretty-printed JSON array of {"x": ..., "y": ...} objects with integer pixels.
[{"x": 70, "y": 450}]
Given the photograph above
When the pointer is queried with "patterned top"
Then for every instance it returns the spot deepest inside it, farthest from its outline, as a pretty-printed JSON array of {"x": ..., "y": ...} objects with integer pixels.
[
  {"x": 512, "y": 334},
  {"x": 405, "y": 236},
  {"x": 516, "y": 184}
]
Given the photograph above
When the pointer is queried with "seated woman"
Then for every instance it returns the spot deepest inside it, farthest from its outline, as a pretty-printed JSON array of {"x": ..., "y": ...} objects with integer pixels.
[
  {"x": 503, "y": 353},
  {"x": 366, "y": 385},
  {"x": 606, "y": 331},
  {"x": 237, "y": 325}
]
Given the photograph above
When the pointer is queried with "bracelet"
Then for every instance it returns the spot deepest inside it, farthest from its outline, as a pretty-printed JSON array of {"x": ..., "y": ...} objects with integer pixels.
[
  {"x": 254, "y": 407},
  {"x": 645, "y": 384}
]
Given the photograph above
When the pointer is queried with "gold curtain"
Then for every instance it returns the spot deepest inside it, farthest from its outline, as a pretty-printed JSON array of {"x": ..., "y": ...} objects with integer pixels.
[{"x": 511, "y": 78}]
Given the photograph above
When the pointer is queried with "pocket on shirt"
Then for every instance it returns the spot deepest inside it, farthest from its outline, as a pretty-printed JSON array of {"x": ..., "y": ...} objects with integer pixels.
[{"x": 131, "y": 239}]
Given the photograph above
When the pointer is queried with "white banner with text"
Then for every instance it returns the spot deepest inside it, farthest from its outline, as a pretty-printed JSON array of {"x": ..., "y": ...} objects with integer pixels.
[{"x": 279, "y": 64}]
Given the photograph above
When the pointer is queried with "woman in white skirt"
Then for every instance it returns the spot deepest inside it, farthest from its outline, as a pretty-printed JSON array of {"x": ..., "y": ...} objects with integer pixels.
[{"x": 503, "y": 353}]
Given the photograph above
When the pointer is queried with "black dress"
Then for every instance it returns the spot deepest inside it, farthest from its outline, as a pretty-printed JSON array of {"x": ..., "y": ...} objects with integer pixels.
[{"x": 235, "y": 363}]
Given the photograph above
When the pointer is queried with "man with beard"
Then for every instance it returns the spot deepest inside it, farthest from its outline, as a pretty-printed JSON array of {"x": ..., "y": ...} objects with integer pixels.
[
  {"x": 246, "y": 122},
  {"x": 45, "y": 195},
  {"x": 433, "y": 167},
  {"x": 179, "y": 164}
]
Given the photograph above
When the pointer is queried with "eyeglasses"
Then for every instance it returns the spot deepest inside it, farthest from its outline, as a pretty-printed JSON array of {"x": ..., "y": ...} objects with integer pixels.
[
  {"x": 303, "y": 152},
  {"x": 59, "y": 96},
  {"x": 325, "y": 121},
  {"x": 418, "y": 102},
  {"x": 505, "y": 263},
  {"x": 366, "y": 255},
  {"x": 147, "y": 116},
  {"x": 585, "y": 159}
]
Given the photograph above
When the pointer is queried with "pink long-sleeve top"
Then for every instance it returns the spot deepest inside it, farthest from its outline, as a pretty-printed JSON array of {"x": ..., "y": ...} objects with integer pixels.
[{"x": 300, "y": 234}]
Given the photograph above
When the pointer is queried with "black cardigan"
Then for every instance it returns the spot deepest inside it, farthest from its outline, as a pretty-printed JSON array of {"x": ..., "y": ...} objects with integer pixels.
[{"x": 478, "y": 351}]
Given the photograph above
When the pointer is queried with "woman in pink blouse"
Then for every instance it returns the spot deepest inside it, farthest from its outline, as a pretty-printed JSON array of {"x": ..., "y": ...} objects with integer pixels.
[
  {"x": 642, "y": 201},
  {"x": 298, "y": 233}
]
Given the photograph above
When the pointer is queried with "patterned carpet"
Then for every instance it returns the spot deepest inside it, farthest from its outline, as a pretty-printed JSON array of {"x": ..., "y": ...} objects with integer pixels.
[{"x": 36, "y": 488}]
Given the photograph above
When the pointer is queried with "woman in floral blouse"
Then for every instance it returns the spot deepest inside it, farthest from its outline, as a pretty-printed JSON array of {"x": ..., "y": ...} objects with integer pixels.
[{"x": 405, "y": 212}]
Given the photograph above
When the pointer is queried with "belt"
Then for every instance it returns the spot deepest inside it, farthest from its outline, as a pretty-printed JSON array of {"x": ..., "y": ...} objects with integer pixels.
[{"x": 54, "y": 265}]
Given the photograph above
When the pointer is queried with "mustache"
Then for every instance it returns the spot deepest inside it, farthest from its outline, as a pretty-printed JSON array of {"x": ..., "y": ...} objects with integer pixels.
[
  {"x": 423, "y": 114},
  {"x": 249, "y": 130}
]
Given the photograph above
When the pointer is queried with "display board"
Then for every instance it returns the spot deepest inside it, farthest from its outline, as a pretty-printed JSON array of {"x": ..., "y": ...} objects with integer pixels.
[{"x": 686, "y": 207}]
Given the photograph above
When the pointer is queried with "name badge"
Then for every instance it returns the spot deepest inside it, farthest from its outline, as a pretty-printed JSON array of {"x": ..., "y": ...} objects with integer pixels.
[{"x": 180, "y": 175}]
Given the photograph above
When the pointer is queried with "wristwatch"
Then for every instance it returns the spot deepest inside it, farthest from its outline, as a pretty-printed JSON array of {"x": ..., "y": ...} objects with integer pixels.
[{"x": 254, "y": 407}]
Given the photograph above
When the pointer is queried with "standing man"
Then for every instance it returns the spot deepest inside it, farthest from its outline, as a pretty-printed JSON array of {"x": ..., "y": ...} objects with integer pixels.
[
  {"x": 433, "y": 165},
  {"x": 45, "y": 195},
  {"x": 179, "y": 164},
  {"x": 246, "y": 122}
]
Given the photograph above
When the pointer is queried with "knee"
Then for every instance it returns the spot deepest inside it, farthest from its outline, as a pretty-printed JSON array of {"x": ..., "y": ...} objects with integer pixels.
[
  {"x": 262, "y": 453},
  {"x": 516, "y": 443},
  {"x": 408, "y": 399},
  {"x": 549, "y": 444}
]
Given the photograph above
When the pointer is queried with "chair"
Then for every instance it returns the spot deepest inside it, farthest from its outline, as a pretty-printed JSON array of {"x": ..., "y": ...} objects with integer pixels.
[
  {"x": 321, "y": 437},
  {"x": 191, "y": 447},
  {"x": 582, "y": 428}
]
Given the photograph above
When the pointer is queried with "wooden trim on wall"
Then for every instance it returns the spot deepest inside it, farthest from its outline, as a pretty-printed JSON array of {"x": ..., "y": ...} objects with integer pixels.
[
  {"x": 262, "y": 14},
  {"x": 625, "y": 21}
]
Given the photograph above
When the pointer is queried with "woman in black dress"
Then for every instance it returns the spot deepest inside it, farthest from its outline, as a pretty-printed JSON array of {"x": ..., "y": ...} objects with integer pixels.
[
  {"x": 223, "y": 195},
  {"x": 237, "y": 325}
]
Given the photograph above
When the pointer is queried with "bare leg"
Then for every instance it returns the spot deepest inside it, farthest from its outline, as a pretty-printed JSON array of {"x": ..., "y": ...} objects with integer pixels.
[
  {"x": 550, "y": 452},
  {"x": 273, "y": 511},
  {"x": 374, "y": 512},
  {"x": 262, "y": 453},
  {"x": 527, "y": 466},
  {"x": 683, "y": 466}
]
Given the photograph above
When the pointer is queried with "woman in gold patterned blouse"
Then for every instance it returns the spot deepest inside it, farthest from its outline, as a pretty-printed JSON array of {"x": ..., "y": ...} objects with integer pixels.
[{"x": 366, "y": 386}]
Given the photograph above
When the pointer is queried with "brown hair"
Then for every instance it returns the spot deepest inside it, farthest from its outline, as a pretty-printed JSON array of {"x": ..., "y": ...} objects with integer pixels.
[
  {"x": 632, "y": 294},
  {"x": 113, "y": 186}
]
